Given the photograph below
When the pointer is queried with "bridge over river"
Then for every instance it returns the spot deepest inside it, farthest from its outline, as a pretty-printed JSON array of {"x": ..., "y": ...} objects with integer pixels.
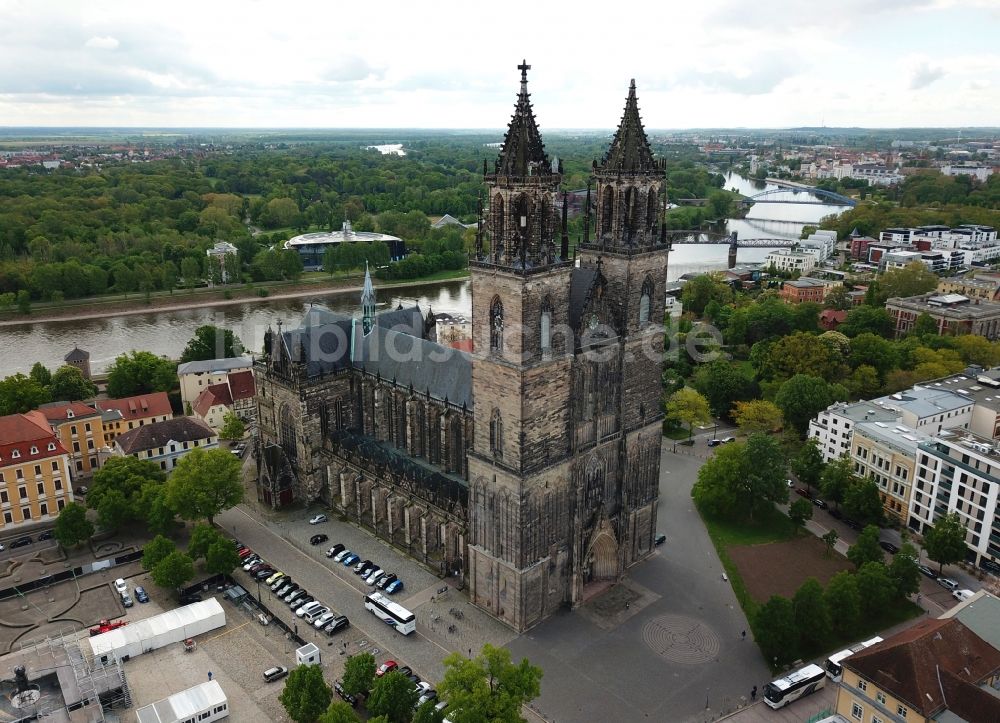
[{"x": 695, "y": 236}]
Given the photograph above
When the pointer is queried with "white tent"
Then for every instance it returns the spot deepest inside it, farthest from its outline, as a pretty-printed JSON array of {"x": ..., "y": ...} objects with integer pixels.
[
  {"x": 205, "y": 702},
  {"x": 158, "y": 631}
]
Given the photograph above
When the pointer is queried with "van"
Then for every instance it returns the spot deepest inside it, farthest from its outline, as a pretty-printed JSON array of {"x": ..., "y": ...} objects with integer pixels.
[
  {"x": 948, "y": 583},
  {"x": 962, "y": 595}
]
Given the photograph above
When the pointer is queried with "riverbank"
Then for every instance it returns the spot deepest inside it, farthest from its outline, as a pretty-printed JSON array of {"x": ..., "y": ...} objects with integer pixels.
[{"x": 203, "y": 298}]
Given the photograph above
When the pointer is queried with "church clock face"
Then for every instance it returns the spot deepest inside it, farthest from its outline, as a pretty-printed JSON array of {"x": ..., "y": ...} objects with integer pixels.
[{"x": 592, "y": 323}]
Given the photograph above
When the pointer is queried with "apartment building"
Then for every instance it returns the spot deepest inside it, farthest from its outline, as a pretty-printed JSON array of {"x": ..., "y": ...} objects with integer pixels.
[
  {"x": 120, "y": 415},
  {"x": 887, "y": 454},
  {"x": 807, "y": 289},
  {"x": 80, "y": 429},
  {"x": 235, "y": 395},
  {"x": 955, "y": 314},
  {"x": 790, "y": 260},
  {"x": 34, "y": 471},
  {"x": 833, "y": 428},
  {"x": 196, "y": 376},
  {"x": 165, "y": 443},
  {"x": 985, "y": 288}
]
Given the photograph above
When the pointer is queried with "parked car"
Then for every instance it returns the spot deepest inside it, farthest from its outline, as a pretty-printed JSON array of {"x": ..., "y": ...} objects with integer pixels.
[
  {"x": 836, "y": 514},
  {"x": 441, "y": 705},
  {"x": 335, "y": 550},
  {"x": 339, "y": 557},
  {"x": 323, "y": 620},
  {"x": 276, "y": 673},
  {"x": 251, "y": 561},
  {"x": 820, "y": 503},
  {"x": 386, "y": 579},
  {"x": 339, "y": 623},
  {"x": 47, "y": 535},
  {"x": 853, "y": 524},
  {"x": 888, "y": 547},
  {"x": 393, "y": 587},
  {"x": 318, "y": 519},
  {"x": 927, "y": 572},
  {"x": 350, "y": 559},
  {"x": 81, "y": 490},
  {"x": 294, "y": 595},
  {"x": 714, "y": 442},
  {"x": 406, "y": 670},
  {"x": 428, "y": 695},
  {"x": 318, "y": 539},
  {"x": 802, "y": 491},
  {"x": 338, "y": 688},
  {"x": 274, "y": 578},
  {"x": 281, "y": 582},
  {"x": 140, "y": 594},
  {"x": 659, "y": 539},
  {"x": 307, "y": 608},
  {"x": 727, "y": 440},
  {"x": 127, "y": 600},
  {"x": 413, "y": 678},
  {"x": 948, "y": 583},
  {"x": 386, "y": 667},
  {"x": 302, "y": 601},
  {"x": 189, "y": 598},
  {"x": 374, "y": 576},
  {"x": 961, "y": 595},
  {"x": 121, "y": 587},
  {"x": 244, "y": 552},
  {"x": 315, "y": 614},
  {"x": 264, "y": 573},
  {"x": 21, "y": 542},
  {"x": 362, "y": 565},
  {"x": 288, "y": 587},
  {"x": 257, "y": 566}
]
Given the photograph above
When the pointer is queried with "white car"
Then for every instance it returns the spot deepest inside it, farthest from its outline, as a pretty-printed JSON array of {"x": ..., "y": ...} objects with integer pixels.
[
  {"x": 251, "y": 561},
  {"x": 341, "y": 555},
  {"x": 120, "y": 586},
  {"x": 317, "y": 519},
  {"x": 373, "y": 578},
  {"x": 308, "y": 608},
  {"x": 316, "y": 613},
  {"x": 962, "y": 595},
  {"x": 323, "y": 619}
]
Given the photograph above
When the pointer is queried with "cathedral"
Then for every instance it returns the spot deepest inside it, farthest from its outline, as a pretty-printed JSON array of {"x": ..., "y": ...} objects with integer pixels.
[{"x": 530, "y": 467}]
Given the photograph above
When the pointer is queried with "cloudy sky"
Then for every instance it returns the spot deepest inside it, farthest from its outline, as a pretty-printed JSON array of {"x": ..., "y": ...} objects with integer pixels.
[{"x": 452, "y": 63}]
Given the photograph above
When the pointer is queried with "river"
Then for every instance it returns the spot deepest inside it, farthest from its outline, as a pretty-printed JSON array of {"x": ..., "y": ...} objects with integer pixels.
[{"x": 166, "y": 333}]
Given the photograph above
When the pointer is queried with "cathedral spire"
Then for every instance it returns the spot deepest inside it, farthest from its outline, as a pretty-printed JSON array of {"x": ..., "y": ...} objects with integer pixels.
[
  {"x": 367, "y": 302},
  {"x": 629, "y": 151},
  {"x": 523, "y": 153}
]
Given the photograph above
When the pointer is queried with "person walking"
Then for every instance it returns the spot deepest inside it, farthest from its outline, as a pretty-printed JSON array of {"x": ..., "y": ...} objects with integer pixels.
[
  {"x": 753, "y": 693},
  {"x": 743, "y": 635}
]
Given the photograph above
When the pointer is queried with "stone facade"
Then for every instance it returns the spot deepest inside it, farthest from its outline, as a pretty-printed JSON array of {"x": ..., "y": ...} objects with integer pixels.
[{"x": 532, "y": 467}]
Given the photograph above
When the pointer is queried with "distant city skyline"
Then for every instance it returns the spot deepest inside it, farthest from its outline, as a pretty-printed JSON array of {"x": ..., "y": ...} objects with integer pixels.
[{"x": 715, "y": 64}]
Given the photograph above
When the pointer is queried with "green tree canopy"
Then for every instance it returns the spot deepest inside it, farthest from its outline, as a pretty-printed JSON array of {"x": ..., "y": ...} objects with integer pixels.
[
  {"x": 128, "y": 477},
  {"x": 69, "y": 384},
  {"x": 808, "y": 464},
  {"x": 800, "y": 511},
  {"x": 838, "y": 477},
  {"x": 204, "y": 483},
  {"x": 904, "y": 571},
  {"x": 866, "y": 548},
  {"x": 211, "y": 342},
  {"x": 743, "y": 478},
  {"x": 812, "y": 615},
  {"x": 945, "y": 541},
  {"x": 801, "y": 398},
  {"x": 924, "y": 325},
  {"x": 202, "y": 537},
  {"x": 701, "y": 290},
  {"x": 689, "y": 407},
  {"x": 863, "y": 502},
  {"x": 489, "y": 687},
  {"x": 426, "y": 712},
  {"x": 723, "y": 384},
  {"x": 114, "y": 510},
  {"x": 232, "y": 427},
  {"x": 72, "y": 526},
  {"x": 40, "y": 374},
  {"x": 306, "y": 696},
  {"x": 173, "y": 570},
  {"x": 20, "y": 394},
  {"x": 911, "y": 280},
  {"x": 393, "y": 696},
  {"x": 757, "y": 415},
  {"x": 775, "y": 630},
  {"x": 830, "y": 540},
  {"x": 339, "y": 712},
  {"x": 802, "y": 353},
  {"x": 221, "y": 558},
  {"x": 868, "y": 319},
  {"x": 359, "y": 673},
  {"x": 844, "y": 602},
  {"x": 155, "y": 550},
  {"x": 875, "y": 587},
  {"x": 140, "y": 373}
]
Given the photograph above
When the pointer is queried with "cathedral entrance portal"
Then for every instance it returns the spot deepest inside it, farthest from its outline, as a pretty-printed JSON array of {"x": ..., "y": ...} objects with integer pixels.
[{"x": 603, "y": 560}]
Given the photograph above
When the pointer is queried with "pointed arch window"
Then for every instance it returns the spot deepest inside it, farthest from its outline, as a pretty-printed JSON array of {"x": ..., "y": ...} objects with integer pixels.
[
  {"x": 496, "y": 434},
  {"x": 286, "y": 432},
  {"x": 651, "y": 208},
  {"x": 545, "y": 326},
  {"x": 499, "y": 224},
  {"x": 631, "y": 197},
  {"x": 645, "y": 300},
  {"x": 607, "y": 209},
  {"x": 496, "y": 324}
]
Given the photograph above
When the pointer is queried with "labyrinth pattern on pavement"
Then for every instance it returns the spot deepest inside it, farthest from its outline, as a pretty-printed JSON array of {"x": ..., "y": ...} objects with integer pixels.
[{"x": 681, "y": 639}]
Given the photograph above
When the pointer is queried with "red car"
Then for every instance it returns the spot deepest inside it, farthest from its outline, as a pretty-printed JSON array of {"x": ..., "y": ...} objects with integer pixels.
[
  {"x": 386, "y": 667},
  {"x": 106, "y": 626},
  {"x": 802, "y": 491},
  {"x": 244, "y": 552}
]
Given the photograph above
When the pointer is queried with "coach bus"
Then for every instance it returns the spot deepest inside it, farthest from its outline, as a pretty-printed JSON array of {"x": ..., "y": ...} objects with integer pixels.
[
  {"x": 797, "y": 684},
  {"x": 392, "y": 614},
  {"x": 834, "y": 669}
]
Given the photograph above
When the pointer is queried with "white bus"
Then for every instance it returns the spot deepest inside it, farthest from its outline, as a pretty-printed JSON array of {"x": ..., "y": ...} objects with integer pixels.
[
  {"x": 795, "y": 685},
  {"x": 834, "y": 669},
  {"x": 392, "y": 614}
]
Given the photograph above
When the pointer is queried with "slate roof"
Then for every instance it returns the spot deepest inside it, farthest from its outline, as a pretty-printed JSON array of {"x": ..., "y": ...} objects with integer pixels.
[
  {"x": 908, "y": 664},
  {"x": 523, "y": 150},
  {"x": 325, "y": 342},
  {"x": 581, "y": 281},
  {"x": 148, "y": 436},
  {"x": 77, "y": 355},
  {"x": 214, "y": 365},
  {"x": 409, "y": 320}
]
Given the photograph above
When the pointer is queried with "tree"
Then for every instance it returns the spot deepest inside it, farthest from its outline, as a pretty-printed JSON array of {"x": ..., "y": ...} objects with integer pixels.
[
  {"x": 155, "y": 550},
  {"x": 306, "y": 696},
  {"x": 743, "y": 478},
  {"x": 844, "y": 601},
  {"x": 173, "y": 570},
  {"x": 128, "y": 477},
  {"x": 867, "y": 319},
  {"x": 808, "y": 464},
  {"x": 838, "y": 476},
  {"x": 812, "y": 614},
  {"x": 72, "y": 526},
  {"x": 945, "y": 541},
  {"x": 20, "y": 394},
  {"x": 875, "y": 587},
  {"x": 113, "y": 511},
  {"x": 69, "y": 384},
  {"x": 152, "y": 508},
  {"x": 140, "y": 373},
  {"x": 211, "y": 342},
  {"x": 838, "y": 299},
  {"x": 802, "y": 353},
  {"x": 924, "y": 325},
  {"x": 863, "y": 502},
  {"x": 202, "y": 537},
  {"x": 800, "y": 511},
  {"x": 339, "y": 712},
  {"x": 40, "y": 374},
  {"x": 359, "y": 673},
  {"x": 801, "y": 398},
  {"x": 393, "y": 696},
  {"x": 723, "y": 385},
  {"x": 426, "y": 712},
  {"x": 775, "y": 630},
  {"x": 866, "y": 548},
  {"x": 221, "y": 557},
  {"x": 204, "y": 483},
  {"x": 688, "y": 406},
  {"x": 911, "y": 280},
  {"x": 875, "y": 351},
  {"x": 904, "y": 572},
  {"x": 232, "y": 427},
  {"x": 699, "y": 291},
  {"x": 24, "y": 302},
  {"x": 758, "y": 415},
  {"x": 489, "y": 687},
  {"x": 863, "y": 382},
  {"x": 830, "y": 540}
]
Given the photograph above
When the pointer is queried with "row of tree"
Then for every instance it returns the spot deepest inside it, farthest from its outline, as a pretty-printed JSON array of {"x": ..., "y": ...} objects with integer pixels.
[{"x": 20, "y": 393}]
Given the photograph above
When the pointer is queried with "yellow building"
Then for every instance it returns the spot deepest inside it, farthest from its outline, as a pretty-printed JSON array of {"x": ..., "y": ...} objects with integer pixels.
[
  {"x": 34, "y": 471},
  {"x": 886, "y": 452},
  {"x": 80, "y": 429},
  {"x": 935, "y": 670},
  {"x": 120, "y": 415}
]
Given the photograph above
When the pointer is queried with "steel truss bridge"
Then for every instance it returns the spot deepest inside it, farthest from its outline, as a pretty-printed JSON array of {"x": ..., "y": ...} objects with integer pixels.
[
  {"x": 824, "y": 197},
  {"x": 694, "y": 236}
]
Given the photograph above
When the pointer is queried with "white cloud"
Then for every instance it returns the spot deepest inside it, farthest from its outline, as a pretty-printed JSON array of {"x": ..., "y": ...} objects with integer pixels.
[
  {"x": 924, "y": 73},
  {"x": 105, "y": 42}
]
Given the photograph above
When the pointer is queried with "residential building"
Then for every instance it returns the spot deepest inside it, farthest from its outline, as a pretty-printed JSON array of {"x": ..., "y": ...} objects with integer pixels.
[
  {"x": 121, "y": 415},
  {"x": 982, "y": 388},
  {"x": 791, "y": 260},
  {"x": 980, "y": 173},
  {"x": 165, "y": 443},
  {"x": 34, "y": 470},
  {"x": 954, "y": 313},
  {"x": 830, "y": 319},
  {"x": 450, "y": 328},
  {"x": 235, "y": 395},
  {"x": 934, "y": 671},
  {"x": 859, "y": 245},
  {"x": 217, "y": 257},
  {"x": 876, "y": 174},
  {"x": 978, "y": 287},
  {"x": 833, "y": 428},
  {"x": 804, "y": 289},
  {"x": 81, "y": 431},
  {"x": 195, "y": 376},
  {"x": 887, "y": 454},
  {"x": 929, "y": 409}
]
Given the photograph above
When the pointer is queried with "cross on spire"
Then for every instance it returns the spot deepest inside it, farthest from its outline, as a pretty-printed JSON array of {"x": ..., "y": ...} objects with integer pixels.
[{"x": 524, "y": 68}]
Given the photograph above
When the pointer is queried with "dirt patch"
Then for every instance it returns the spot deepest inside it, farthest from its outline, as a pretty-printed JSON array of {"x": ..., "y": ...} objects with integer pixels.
[{"x": 780, "y": 568}]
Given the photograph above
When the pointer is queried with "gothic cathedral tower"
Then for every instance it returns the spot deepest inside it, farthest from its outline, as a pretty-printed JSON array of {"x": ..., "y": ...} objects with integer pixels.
[{"x": 520, "y": 460}]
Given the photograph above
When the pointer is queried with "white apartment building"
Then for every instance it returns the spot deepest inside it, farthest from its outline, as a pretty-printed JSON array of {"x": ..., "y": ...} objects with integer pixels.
[
  {"x": 981, "y": 173},
  {"x": 196, "y": 376},
  {"x": 929, "y": 410},
  {"x": 959, "y": 473},
  {"x": 833, "y": 428},
  {"x": 790, "y": 260}
]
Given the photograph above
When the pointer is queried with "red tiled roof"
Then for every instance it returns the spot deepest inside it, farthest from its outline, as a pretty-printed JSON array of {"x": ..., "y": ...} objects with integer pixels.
[
  {"x": 57, "y": 411},
  {"x": 462, "y": 345},
  {"x": 241, "y": 385},
  {"x": 21, "y": 432},
  {"x": 211, "y": 396},
  {"x": 139, "y": 407},
  {"x": 907, "y": 666}
]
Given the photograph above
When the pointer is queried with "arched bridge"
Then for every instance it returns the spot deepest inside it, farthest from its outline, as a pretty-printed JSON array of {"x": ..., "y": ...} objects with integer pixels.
[
  {"x": 694, "y": 236},
  {"x": 824, "y": 197}
]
